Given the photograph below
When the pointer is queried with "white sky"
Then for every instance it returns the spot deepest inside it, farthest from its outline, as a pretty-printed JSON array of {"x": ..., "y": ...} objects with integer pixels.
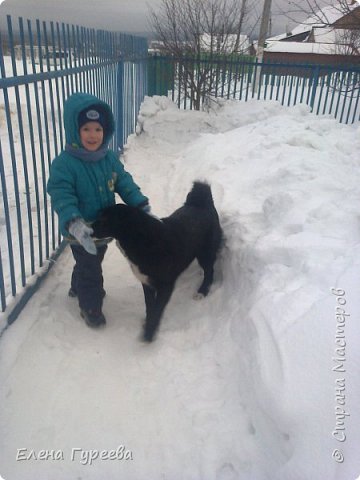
[
  {"x": 114, "y": 15},
  {"x": 119, "y": 15}
]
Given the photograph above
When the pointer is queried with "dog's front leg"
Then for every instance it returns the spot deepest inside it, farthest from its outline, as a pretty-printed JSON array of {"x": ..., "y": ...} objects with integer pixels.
[{"x": 155, "y": 311}]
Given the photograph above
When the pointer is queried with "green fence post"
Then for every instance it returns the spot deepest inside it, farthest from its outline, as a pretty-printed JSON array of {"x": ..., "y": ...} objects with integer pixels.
[
  {"x": 120, "y": 106},
  {"x": 315, "y": 80}
]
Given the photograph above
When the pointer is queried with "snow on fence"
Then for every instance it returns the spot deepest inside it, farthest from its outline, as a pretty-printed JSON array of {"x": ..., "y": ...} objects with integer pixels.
[
  {"x": 330, "y": 90},
  {"x": 40, "y": 66}
]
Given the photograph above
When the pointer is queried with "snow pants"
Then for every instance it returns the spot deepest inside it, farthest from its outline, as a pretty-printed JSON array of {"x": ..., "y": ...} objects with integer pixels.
[{"x": 87, "y": 279}]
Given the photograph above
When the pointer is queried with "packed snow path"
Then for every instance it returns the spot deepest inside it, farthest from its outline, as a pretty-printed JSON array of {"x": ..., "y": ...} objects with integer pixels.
[{"x": 241, "y": 385}]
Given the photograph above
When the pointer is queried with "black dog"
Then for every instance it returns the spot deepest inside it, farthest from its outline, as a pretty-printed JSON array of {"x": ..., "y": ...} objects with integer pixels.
[{"x": 159, "y": 250}]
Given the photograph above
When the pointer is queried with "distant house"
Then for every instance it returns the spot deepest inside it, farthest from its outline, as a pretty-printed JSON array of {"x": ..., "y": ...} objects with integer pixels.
[
  {"x": 155, "y": 46},
  {"x": 225, "y": 43},
  {"x": 330, "y": 37},
  {"x": 49, "y": 55}
]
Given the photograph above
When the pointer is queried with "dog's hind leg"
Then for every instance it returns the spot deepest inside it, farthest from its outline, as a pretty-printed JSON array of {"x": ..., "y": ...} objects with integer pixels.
[
  {"x": 207, "y": 258},
  {"x": 156, "y": 309},
  {"x": 206, "y": 262},
  {"x": 149, "y": 295}
]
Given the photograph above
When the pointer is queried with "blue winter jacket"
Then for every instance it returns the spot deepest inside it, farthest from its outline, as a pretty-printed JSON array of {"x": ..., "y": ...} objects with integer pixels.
[{"x": 80, "y": 188}]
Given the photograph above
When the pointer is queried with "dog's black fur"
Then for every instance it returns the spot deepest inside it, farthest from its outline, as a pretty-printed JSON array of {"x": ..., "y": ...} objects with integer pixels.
[{"x": 161, "y": 250}]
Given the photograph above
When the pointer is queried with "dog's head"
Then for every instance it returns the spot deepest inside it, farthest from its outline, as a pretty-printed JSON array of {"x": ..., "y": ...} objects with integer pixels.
[
  {"x": 123, "y": 222},
  {"x": 111, "y": 220}
]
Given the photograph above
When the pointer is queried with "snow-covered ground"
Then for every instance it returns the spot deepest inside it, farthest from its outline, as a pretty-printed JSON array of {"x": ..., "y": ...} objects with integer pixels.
[{"x": 258, "y": 381}]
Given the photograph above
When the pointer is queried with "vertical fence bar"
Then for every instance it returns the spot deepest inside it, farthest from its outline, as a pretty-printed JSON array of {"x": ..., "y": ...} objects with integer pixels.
[
  {"x": 236, "y": 77},
  {"x": 2, "y": 285},
  {"x": 40, "y": 133},
  {"x": 334, "y": 81},
  {"x": 120, "y": 105},
  {"x": 327, "y": 80},
  {"x": 89, "y": 58},
  {"x": 68, "y": 58},
  {"x": 53, "y": 130},
  {"x": 356, "y": 86},
  {"x": 33, "y": 156},
  {"x": 40, "y": 136},
  {"x": 43, "y": 112},
  {"x": 345, "y": 94},
  {"x": 13, "y": 157},
  {"x": 179, "y": 72},
  {"x": 242, "y": 74},
  {"x": 290, "y": 90},
  {"x": 62, "y": 40},
  {"x": 260, "y": 81},
  {"x": 320, "y": 99},
  {"x": 8, "y": 228},
  {"x": 24, "y": 168},
  {"x": 57, "y": 48},
  {"x": 272, "y": 84},
  {"x": 350, "y": 98},
  {"x": 85, "y": 60},
  {"x": 296, "y": 89},
  {"x": 266, "y": 82},
  {"x": 339, "y": 95}
]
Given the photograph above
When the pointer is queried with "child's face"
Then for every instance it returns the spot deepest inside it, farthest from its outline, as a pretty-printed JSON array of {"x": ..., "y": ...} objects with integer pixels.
[{"x": 91, "y": 136}]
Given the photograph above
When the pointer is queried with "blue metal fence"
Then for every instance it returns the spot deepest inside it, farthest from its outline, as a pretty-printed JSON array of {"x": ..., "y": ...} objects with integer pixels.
[
  {"x": 189, "y": 81},
  {"x": 42, "y": 64}
]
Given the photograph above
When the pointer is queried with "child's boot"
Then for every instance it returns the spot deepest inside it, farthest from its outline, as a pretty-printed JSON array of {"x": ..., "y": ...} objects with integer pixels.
[{"x": 93, "y": 318}]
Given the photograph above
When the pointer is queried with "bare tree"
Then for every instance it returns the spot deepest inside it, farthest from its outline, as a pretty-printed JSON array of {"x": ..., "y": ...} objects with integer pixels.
[
  {"x": 348, "y": 42},
  {"x": 183, "y": 26},
  {"x": 195, "y": 30}
]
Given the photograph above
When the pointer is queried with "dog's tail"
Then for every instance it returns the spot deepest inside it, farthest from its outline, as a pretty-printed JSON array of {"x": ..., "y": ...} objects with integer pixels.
[{"x": 200, "y": 196}]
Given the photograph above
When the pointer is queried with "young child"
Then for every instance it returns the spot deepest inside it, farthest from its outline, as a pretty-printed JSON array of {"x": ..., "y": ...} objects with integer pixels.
[{"x": 83, "y": 180}]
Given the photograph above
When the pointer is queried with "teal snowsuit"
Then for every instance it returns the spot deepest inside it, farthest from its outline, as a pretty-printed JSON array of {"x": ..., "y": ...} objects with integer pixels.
[{"x": 81, "y": 188}]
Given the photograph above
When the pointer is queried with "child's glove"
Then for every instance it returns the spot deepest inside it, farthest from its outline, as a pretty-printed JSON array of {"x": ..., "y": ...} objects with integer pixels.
[
  {"x": 146, "y": 208},
  {"x": 82, "y": 232}
]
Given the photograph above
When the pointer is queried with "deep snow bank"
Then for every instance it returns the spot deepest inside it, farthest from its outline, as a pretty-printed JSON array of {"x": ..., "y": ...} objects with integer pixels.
[{"x": 287, "y": 186}]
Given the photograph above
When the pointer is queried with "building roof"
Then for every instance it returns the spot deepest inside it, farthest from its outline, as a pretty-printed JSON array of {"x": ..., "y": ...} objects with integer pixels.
[
  {"x": 325, "y": 40},
  {"x": 326, "y": 16}
]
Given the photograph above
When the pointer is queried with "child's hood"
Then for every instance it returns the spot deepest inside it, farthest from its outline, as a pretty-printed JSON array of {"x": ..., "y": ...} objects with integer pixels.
[{"x": 74, "y": 105}]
